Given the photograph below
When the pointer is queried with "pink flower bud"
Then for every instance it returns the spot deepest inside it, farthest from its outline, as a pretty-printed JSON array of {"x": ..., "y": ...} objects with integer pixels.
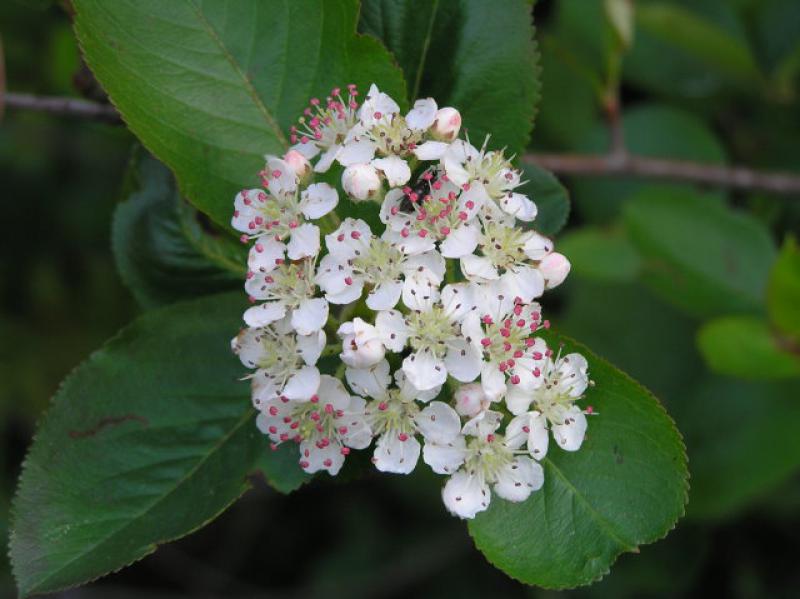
[
  {"x": 471, "y": 400},
  {"x": 554, "y": 268},
  {"x": 299, "y": 164},
  {"x": 361, "y": 181},
  {"x": 447, "y": 124}
]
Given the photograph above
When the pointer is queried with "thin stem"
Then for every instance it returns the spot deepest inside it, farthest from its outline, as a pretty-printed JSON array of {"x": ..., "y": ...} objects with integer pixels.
[{"x": 64, "y": 107}]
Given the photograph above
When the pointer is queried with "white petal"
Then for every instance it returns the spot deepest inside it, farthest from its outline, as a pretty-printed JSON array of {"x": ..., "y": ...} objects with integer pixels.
[
  {"x": 519, "y": 479},
  {"x": 570, "y": 435},
  {"x": 358, "y": 435},
  {"x": 395, "y": 168},
  {"x": 478, "y": 268},
  {"x": 326, "y": 160},
  {"x": 574, "y": 378},
  {"x": 430, "y": 150},
  {"x": 419, "y": 292},
  {"x": 463, "y": 362},
  {"x": 538, "y": 439},
  {"x": 332, "y": 391},
  {"x": 473, "y": 199},
  {"x": 424, "y": 371},
  {"x": 432, "y": 262},
  {"x": 423, "y": 114},
  {"x": 264, "y": 314},
  {"x": 438, "y": 423},
  {"x": 537, "y": 246},
  {"x": 445, "y": 458},
  {"x": 310, "y": 346},
  {"x": 396, "y": 456},
  {"x": 392, "y": 328},
  {"x": 384, "y": 296},
  {"x": 525, "y": 282},
  {"x": 308, "y": 149},
  {"x": 265, "y": 255},
  {"x": 410, "y": 392},
  {"x": 485, "y": 423},
  {"x": 461, "y": 241},
  {"x": 369, "y": 382},
  {"x": 310, "y": 316},
  {"x": 313, "y": 458},
  {"x": 318, "y": 199},
  {"x": 518, "y": 399},
  {"x": 304, "y": 242},
  {"x": 458, "y": 300},
  {"x": 465, "y": 495},
  {"x": 519, "y": 206},
  {"x": 356, "y": 152},
  {"x": 302, "y": 384},
  {"x": 282, "y": 178}
]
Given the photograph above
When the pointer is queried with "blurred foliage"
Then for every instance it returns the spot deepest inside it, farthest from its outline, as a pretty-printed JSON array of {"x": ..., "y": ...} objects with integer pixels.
[{"x": 714, "y": 81}]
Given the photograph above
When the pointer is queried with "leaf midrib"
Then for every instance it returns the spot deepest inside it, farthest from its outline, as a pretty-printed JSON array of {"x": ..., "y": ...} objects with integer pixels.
[{"x": 246, "y": 417}]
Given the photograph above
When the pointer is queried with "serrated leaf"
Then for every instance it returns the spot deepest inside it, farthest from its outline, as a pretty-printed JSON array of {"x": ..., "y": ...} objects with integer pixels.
[
  {"x": 783, "y": 291},
  {"x": 625, "y": 487},
  {"x": 469, "y": 54},
  {"x": 601, "y": 254},
  {"x": 210, "y": 86},
  {"x": 551, "y": 198},
  {"x": 698, "y": 254},
  {"x": 163, "y": 249},
  {"x": 744, "y": 347},
  {"x": 148, "y": 440}
]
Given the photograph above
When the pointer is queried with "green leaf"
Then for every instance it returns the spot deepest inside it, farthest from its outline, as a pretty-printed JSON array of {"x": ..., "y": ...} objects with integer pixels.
[
  {"x": 783, "y": 291},
  {"x": 650, "y": 130},
  {"x": 743, "y": 442},
  {"x": 698, "y": 254},
  {"x": 744, "y": 347},
  {"x": 210, "y": 86},
  {"x": 601, "y": 254},
  {"x": 138, "y": 448},
  {"x": 468, "y": 54},
  {"x": 701, "y": 39},
  {"x": 164, "y": 249},
  {"x": 625, "y": 487},
  {"x": 551, "y": 198}
]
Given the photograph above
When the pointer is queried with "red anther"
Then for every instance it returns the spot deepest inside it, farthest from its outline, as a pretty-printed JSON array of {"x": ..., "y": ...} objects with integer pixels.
[
  {"x": 276, "y": 174},
  {"x": 518, "y": 309},
  {"x": 445, "y": 178},
  {"x": 273, "y": 429},
  {"x": 445, "y": 230},
  {"x": 273, "y": 411},
  {"x": 505, "y": 332},
  {"x": 287, "y": 419},
  {"x": 284, "y": 437},
  {"x": 293, "y": 138},
  {"x": 251, "y": 299},
  {"x": 536, "y": 316},
  {"x": 402, "y": 437},
  {"x": 589, "y": 410},
  {"x": 314, "y": 416},
  {"x": 486, "y": 319},
  {"x": 339, "y": 413},
  {"x": 348, "y": 280},
  {"x": 413, "y": 196},
  {"x": 328, "y": 408},
  {"x": 273, "y": 446},
  {"x": 377, "y": 114},
  {"x": 304, "y": 139},
  {"x": 342, "y": 430},
  {"x": 519, "y": 353},
  {"x": 268, "y": 279},
  {"x": 427, "y": 175},
  {"x": 515, "y": 379},
  {"x": 548, "y": 352},
  {"x": 284, "y": 399},
  {"x": 293, "y": 224},
  {"x": 406, "y": 190},
  {"x": 465, "y": 187},
  {"x": 546, "y": 324},
  {"x": 279, "y": 261},
  {"x": 355, "y": 234},
  {"x": 303, "y": 464},
  {"x": 394, "y": 210},
  {"x": 235, "y": 214},
  {"x": 294, "y": 425},
  {"x": 537, "y": 372},
  {"x": 510, "y": 362},
  {"x": 506, "y": 346},
  {"x": 537, "y": 355},
  {"x": 490, "y": 438},
  {"x": 502, "y": 367},
  {"x": 261, "y": 197},
  {"x": 486, "y": 342},
  {"x": 404, "y": 232},
  {"x": 259, "y": 220},
  {"x": 437, "y": 185},
  {"x": 335, "y": 91},
  {"x": 521, "y": 322},
  {"x": 382, "y": 406},
  {"x": 340, "y": 237},
  {"x": 250, "y": 274},
  {"x": 526, "y": 429},
  {"x": 423, "y": 233},
  {"x": 259, "y": 248},
  {"x": 314, "y": 101},
  {"x": 463, "y": 215},
  {"x": 452, "y": 196},
  {"x": 319, "y": 428},
  {"x": 244, "y": 238},
  {"x": 327, "y": 463},
  {"x": 345, "y": 451},
  {"x": 251, "y": 225}
]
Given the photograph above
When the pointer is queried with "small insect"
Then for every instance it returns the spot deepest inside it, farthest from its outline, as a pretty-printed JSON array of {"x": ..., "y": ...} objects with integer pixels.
[{"x": 418, "y": 191}]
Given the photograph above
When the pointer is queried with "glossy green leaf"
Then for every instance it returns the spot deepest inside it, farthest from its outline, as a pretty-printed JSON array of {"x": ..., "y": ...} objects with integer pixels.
[
  {"x": 551, "y": 198},
  {"x": 698, "y": 254},
  {"x": 624, "y": 488},
  {"x": 148, "y": 440},
  {"x": 209, "y": 86},
  {"x": 601, "y": 254},
  {"x": 167, "y": 251},
  {"x": 743, "y": 442},
  {"x": 699, "y": 38},
  {"x": 469, "y": 54},
  {"x": 744, "y": 347},
  {"x": 783, "y": 291}
]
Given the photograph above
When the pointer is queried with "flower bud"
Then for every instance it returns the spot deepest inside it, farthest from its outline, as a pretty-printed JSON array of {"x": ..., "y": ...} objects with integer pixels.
[
  {"x": 554, "y": 268},
  {"x": 299, "y": 164},
  {"x": 471, "y": 400},
  {"x": 361, "y": 344},
  {"x": 361, "y": 182},
  {"x": 447, "y": 124}
]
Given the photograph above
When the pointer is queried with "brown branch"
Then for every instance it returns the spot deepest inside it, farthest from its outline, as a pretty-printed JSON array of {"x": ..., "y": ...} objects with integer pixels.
[
  {"x": 621, "y": 164},
  {"x": 64, "y": 106}
]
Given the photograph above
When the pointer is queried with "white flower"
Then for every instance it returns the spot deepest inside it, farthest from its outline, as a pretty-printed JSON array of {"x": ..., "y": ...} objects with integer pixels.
[
  {"x": 477, "y": 457},
  {"x": 471, "y": 400},
  {"x": 361, "y": 181},
  {"x": 299, "y": 164},
  {"x": 362, "y": 345},
  {"x": 433, "y": 331},
  {"x": 447, "y": 124},
  {"x": 326, "y": 425},
  {"x": 324, "y": 128},
  {"x": 284, "y": 362},
  {"x": 554, "y": 268},
  {"x": 356, "y": 258},
  {"x": 281, "y": 207},
  {"x": 434, "y": 211},
  {"x": 394, "y": 416},
  {"x": 465, "y": 164},
  {"x": 563, "y": 382},
  {"x": 288, "y": 288}
]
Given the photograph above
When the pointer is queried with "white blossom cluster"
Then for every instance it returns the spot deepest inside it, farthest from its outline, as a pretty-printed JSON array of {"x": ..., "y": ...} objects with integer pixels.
[{"x": 445, "y": 293}]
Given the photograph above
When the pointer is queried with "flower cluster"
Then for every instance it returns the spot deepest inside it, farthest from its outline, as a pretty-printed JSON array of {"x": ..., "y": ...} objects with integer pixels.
[{"x": 443, "y": 361}]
